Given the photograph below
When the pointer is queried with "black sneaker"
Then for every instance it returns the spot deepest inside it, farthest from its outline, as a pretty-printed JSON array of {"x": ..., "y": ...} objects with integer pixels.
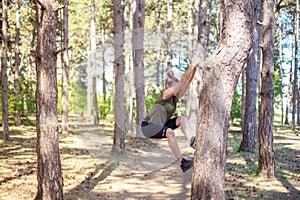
[
  {"x": 193, "y": 142},
  {"x": 186, "y": 164}
]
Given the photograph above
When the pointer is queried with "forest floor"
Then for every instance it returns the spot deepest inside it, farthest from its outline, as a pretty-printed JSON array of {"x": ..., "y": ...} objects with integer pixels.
[{"x": 146, "y": 171}]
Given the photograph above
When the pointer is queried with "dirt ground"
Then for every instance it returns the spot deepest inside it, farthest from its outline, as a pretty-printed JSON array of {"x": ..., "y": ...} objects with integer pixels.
[{"x": 146, "y": 171}]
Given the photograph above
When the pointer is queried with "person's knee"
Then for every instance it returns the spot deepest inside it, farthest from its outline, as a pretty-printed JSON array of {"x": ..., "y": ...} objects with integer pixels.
[
  {"x": 170, "y": 133},
  {"x": 180, "y": 120}
]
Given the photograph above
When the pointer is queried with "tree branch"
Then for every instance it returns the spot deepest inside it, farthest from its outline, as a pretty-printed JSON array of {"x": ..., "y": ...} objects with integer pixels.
[
  {"x": 41, "y": 4},
  {"x": 60, "y": 7},
  {"x": 58, "y": 51}
]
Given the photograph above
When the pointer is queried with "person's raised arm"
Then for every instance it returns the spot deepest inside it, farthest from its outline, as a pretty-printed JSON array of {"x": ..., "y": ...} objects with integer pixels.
[
  {"x": 184, "y": 82},
  {"x": 187, "y": 74},
  {"x": 185, "y": 87}
]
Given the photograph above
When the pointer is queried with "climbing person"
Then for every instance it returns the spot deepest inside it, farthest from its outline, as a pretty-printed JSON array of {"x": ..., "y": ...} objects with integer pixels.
[{"x": 160, "y": 122}]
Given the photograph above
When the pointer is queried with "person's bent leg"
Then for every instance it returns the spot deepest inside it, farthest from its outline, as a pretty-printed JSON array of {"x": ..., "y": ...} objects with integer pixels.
[
  {"x": 173, "y": 145},
  {"x": 183, "y": 163}
]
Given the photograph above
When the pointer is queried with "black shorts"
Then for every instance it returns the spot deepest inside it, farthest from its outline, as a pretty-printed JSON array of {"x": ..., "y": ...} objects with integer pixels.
[{"x": 151, "y": 130}]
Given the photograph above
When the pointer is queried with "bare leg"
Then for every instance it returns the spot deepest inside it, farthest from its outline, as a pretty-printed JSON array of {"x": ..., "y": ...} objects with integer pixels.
[{"x": 174, "y": 145}]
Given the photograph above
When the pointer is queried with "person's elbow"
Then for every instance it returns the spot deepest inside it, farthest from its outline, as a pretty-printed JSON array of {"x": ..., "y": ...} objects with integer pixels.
[{"x": 168, "y": 93}]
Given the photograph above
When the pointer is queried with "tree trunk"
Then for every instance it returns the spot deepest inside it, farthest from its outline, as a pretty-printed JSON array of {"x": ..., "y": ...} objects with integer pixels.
[
  {"x": 295, "y": 79},
  {"x": 128, "y": 55},
  {"x": 243, "y": 97},
  {"x": 93, "y": 63},
  {"x": 249, "y": 128},
  {"x": 296, "y": 59},
  {"x": 289, "y": 96},
  {"x": 287, "y": 113},
  {"x": 209, "y": 23},
  {"x": 89, "y": 86},
  {"x": 266, "y": 163},
  {"x": 169, "y": 34},
  {"x": 50, "y": 181},
  {"x": 220, "y": 75},
  {"x": 17, "y": 65},
  {"x": 65, "y": 74},
  {"x": 4, "y": 71},
  {"x": 281, "y": 72},
  {"x": 202, "y": 25},
  {"x": 190, "y": 30},
  {"x": 103, "y": 67},
  {"x": 159, "y": 79},
  {"x": 199, "y": 50},
  {"x": 119, "y": 134},
  {"x": 138, "y": 54}
]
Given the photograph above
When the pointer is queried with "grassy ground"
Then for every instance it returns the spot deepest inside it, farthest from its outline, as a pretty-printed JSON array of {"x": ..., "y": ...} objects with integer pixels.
[{"x": 146, "y": 171}]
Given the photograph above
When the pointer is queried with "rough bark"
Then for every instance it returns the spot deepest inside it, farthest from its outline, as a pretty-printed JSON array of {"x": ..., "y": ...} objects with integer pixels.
[
  {"x": 4, "y": 71},
  {"x": 220, "y": 75},
  {"x": 249, "y": 128},
  {"x": 50, "y": 181},
  {"x": 266, "y": 163},
  {"x": 119, "y": 134},
  {"x": 138, "y": 58},
  {"x": 65, "y": 73}
]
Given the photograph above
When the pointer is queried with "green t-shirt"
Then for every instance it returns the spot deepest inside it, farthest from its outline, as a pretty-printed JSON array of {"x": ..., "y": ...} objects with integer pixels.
[{"x": 162, "y": 110}]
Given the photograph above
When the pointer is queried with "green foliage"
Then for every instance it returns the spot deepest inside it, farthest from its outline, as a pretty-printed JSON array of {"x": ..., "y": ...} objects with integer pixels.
[
  {"x": 78, "y": 98},
  {"x": 277, "y": 89},
  {"x": 236, "y": 111},
  {"x": 103, "y": 107},
  {"x": 150, "y": 99}
]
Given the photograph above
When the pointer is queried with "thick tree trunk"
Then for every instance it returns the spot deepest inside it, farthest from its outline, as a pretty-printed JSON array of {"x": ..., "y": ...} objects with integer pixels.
[
  {"x": 138, "y": 54},
  {"x": 17, "y": 114},
  {"x": 249, "y": 128},
  {"x": 50, "y": 181},
  {"x": 119, "y": 134},
  {"x": 220, "y": 75},
  {"x": 4, "y": 71},
  {"x": 266, "y": 163},
  {"x": 65, "y": 73}
]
